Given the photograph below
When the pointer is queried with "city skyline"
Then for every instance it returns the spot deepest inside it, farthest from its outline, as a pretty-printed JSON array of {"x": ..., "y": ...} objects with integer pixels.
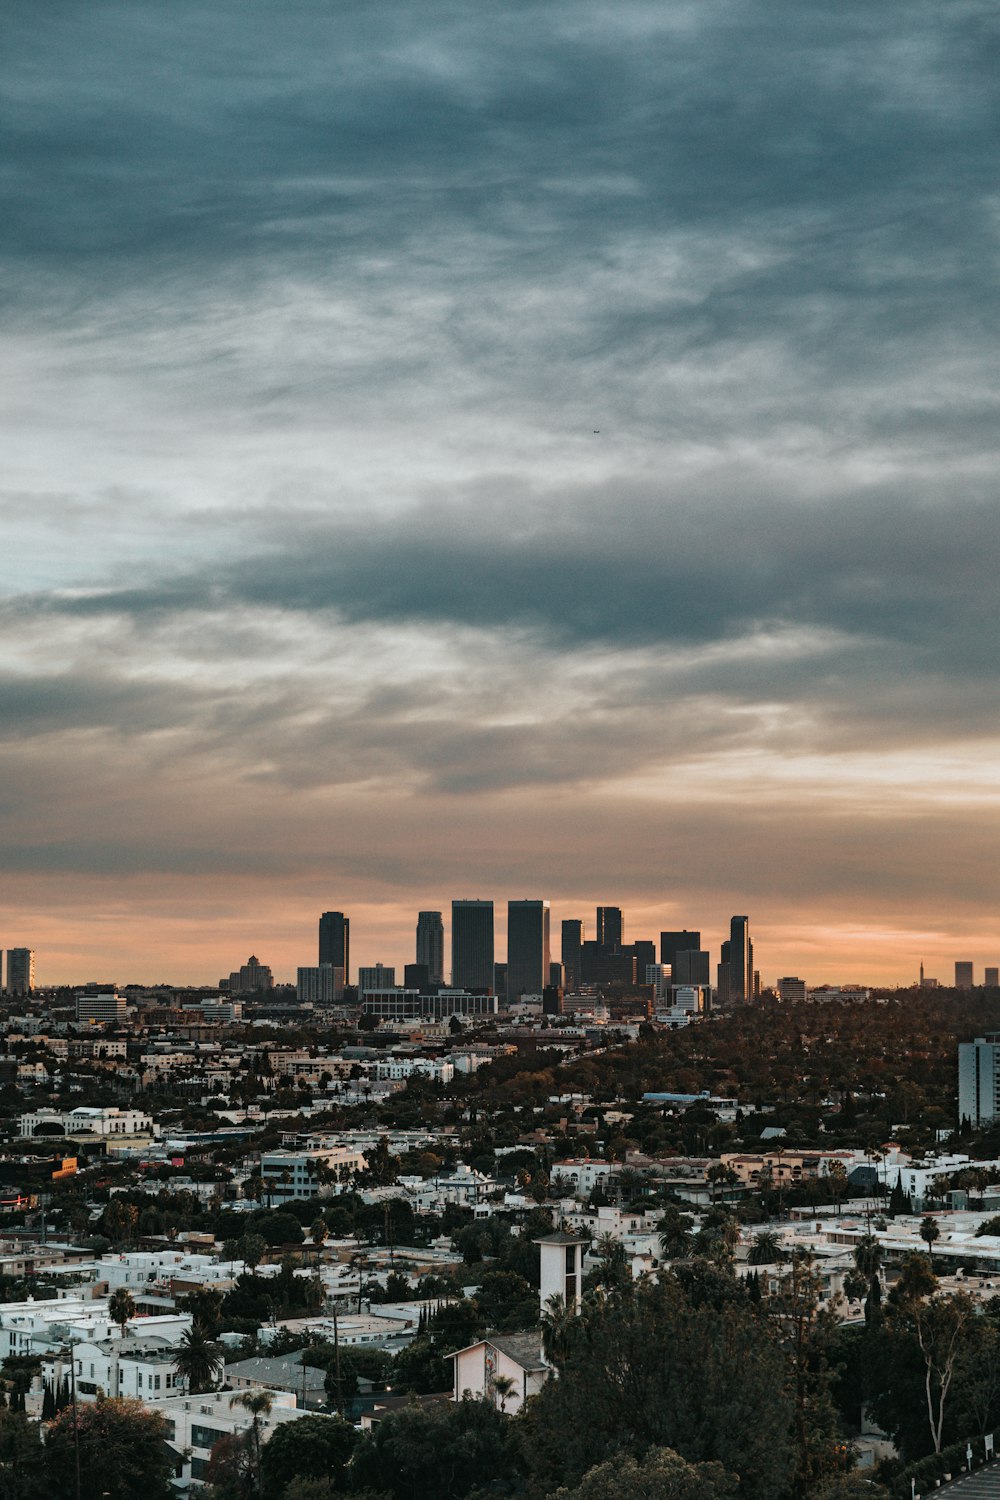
[
  {"x": 533, "y": 448},
  {"x": 395, "y": 945}
]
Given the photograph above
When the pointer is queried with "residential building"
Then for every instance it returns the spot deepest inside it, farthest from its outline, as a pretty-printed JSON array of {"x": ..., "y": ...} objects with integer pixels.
[
  {"x": 991, "y": 978},
  {"x": 20, "y": 971},
  {"x": 430, "y": 944},
  {"x": 485, "y": 1368},
  {"x": 979, "y": 1080},
  {"x": 86, "y": 1120},
  {"x": 472, "y": 952},
  {"x": 322, "y": 984},
  {"x": 376, "y": 977},
  {"x": 196, "y": 1423},
  {"x": 528, "y": 954},
  {"x": 316, "y": 1173},
  {"x": 335, "y": 942}
]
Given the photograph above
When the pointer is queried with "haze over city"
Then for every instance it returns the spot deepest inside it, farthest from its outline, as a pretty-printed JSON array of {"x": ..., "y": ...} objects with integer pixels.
[{"x": 545, "y": 450}]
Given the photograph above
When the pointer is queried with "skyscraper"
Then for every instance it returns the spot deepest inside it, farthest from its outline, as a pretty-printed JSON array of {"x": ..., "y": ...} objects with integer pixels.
[
  {"x": 740, "y": 961},
  {"x": 335, "y": 942},
  {"x": 528, "y": 954},
  {"x": 610, "y": 926},
  {"x": 20, "y": 971},
  {"x": 430, "y": 944},
  {"x": 963, "y": 974},
  {"x": 572, "y": 942},
  {"x": 672, "y": 943},
  {"x": 472, "y": 945}
]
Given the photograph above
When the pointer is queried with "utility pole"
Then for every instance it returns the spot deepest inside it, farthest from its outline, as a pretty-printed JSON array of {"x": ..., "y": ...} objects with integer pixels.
[
  {"x": 76, "y": 1423},
  {"x": 336, "y": 1359}
]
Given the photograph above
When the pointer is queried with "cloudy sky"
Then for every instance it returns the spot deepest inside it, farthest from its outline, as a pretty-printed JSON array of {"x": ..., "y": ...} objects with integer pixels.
[{"x": 535, "y": 449}]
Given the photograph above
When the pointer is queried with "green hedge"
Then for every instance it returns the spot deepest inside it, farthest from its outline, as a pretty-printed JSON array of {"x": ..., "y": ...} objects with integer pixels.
[{"x": 926, "y": 1471}]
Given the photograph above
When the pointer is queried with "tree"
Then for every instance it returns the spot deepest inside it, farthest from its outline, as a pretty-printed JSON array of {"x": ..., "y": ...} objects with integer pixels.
[
  {"x": 802, "y": 1326},
  {"x": 122, "y": 1449},
  {"x": 675, "y": 1233},
  {"x": 122, "y": 1308},
  {"x": 253, "y": 1248},
  {"x": 198, "y": 1360},
  {"x": 766, "y": 1249},
  {"x": 258, "y": 1403},
  {"x": 661, "y": 1475},
  {"x": 22, "y": 1475},
  {"x": 836, "y": 1177},
  {"x": 311, "y": 1448},
  {"x": 929, "y": 1232},
  {"x": 626, "y": 1385},
  {"x": 940, "y": 1325},
  {"x": 561, "y": 1327},
  {"x": 317, "y": 1233},
  {"x": 444, "y": 1452}
]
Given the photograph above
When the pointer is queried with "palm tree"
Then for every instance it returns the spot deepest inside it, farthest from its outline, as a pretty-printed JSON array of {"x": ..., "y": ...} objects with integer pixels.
[
  {"x": 675, "y": 1234},
  {"x": 560, "y": 1326},
  {"x": 258, "y": 1403},
  {"x": 122, "y": 1308},
  {"x": 502, "y": 1386},
  {"x": 198, "y": 1360},
  {"x": 317, "y": 1233},
  {"x": 766, "y": 1249},
  {"x": 929, "y": 1232}
]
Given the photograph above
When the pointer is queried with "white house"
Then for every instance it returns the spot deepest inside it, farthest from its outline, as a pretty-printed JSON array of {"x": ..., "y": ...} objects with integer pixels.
[
  {"x": 196, "y": 1423},
  {"x": 484, "y": 1368}
]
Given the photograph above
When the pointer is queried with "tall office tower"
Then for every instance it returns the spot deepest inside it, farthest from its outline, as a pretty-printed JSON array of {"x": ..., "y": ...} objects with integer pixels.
[
  {"x": 740, "y": 961},
  {"x": 979, "y": 1080},
  {"x": 335, "y": 942},
  {"x": 472, "y": 945},
  {"x": 528, "y": 951},
  {"x": 430, "y": 944},
  {"x": 20, "y": 971},
  {"x": 723, "y": 975},
  {"x": 672, "y": 943},
  {"x": 555, "y": 975},
  {"x": 691, "y": 966},
  {"x": 572, "y": 942},
  {"x": 991, "y": 978},
  {"x": 963, "y": 974},
  {"x": 610, "y": 926},
  {"x": 644, "y": 953}
]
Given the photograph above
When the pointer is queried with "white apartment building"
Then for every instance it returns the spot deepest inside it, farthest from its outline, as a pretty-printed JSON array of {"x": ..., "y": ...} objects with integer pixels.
[
  {"x": 580, "y": 1176},
  {"x": 85, "y": 1119},
  {"x": 196, "y": 1423},
  {"x": 400, "y": 1068},
  {"x": 45, "y": 1327},
  {"x": 141, "y": 1269},
  {"x": 138, "y": 1366},
  {"x": 296, "y": 1174}
]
